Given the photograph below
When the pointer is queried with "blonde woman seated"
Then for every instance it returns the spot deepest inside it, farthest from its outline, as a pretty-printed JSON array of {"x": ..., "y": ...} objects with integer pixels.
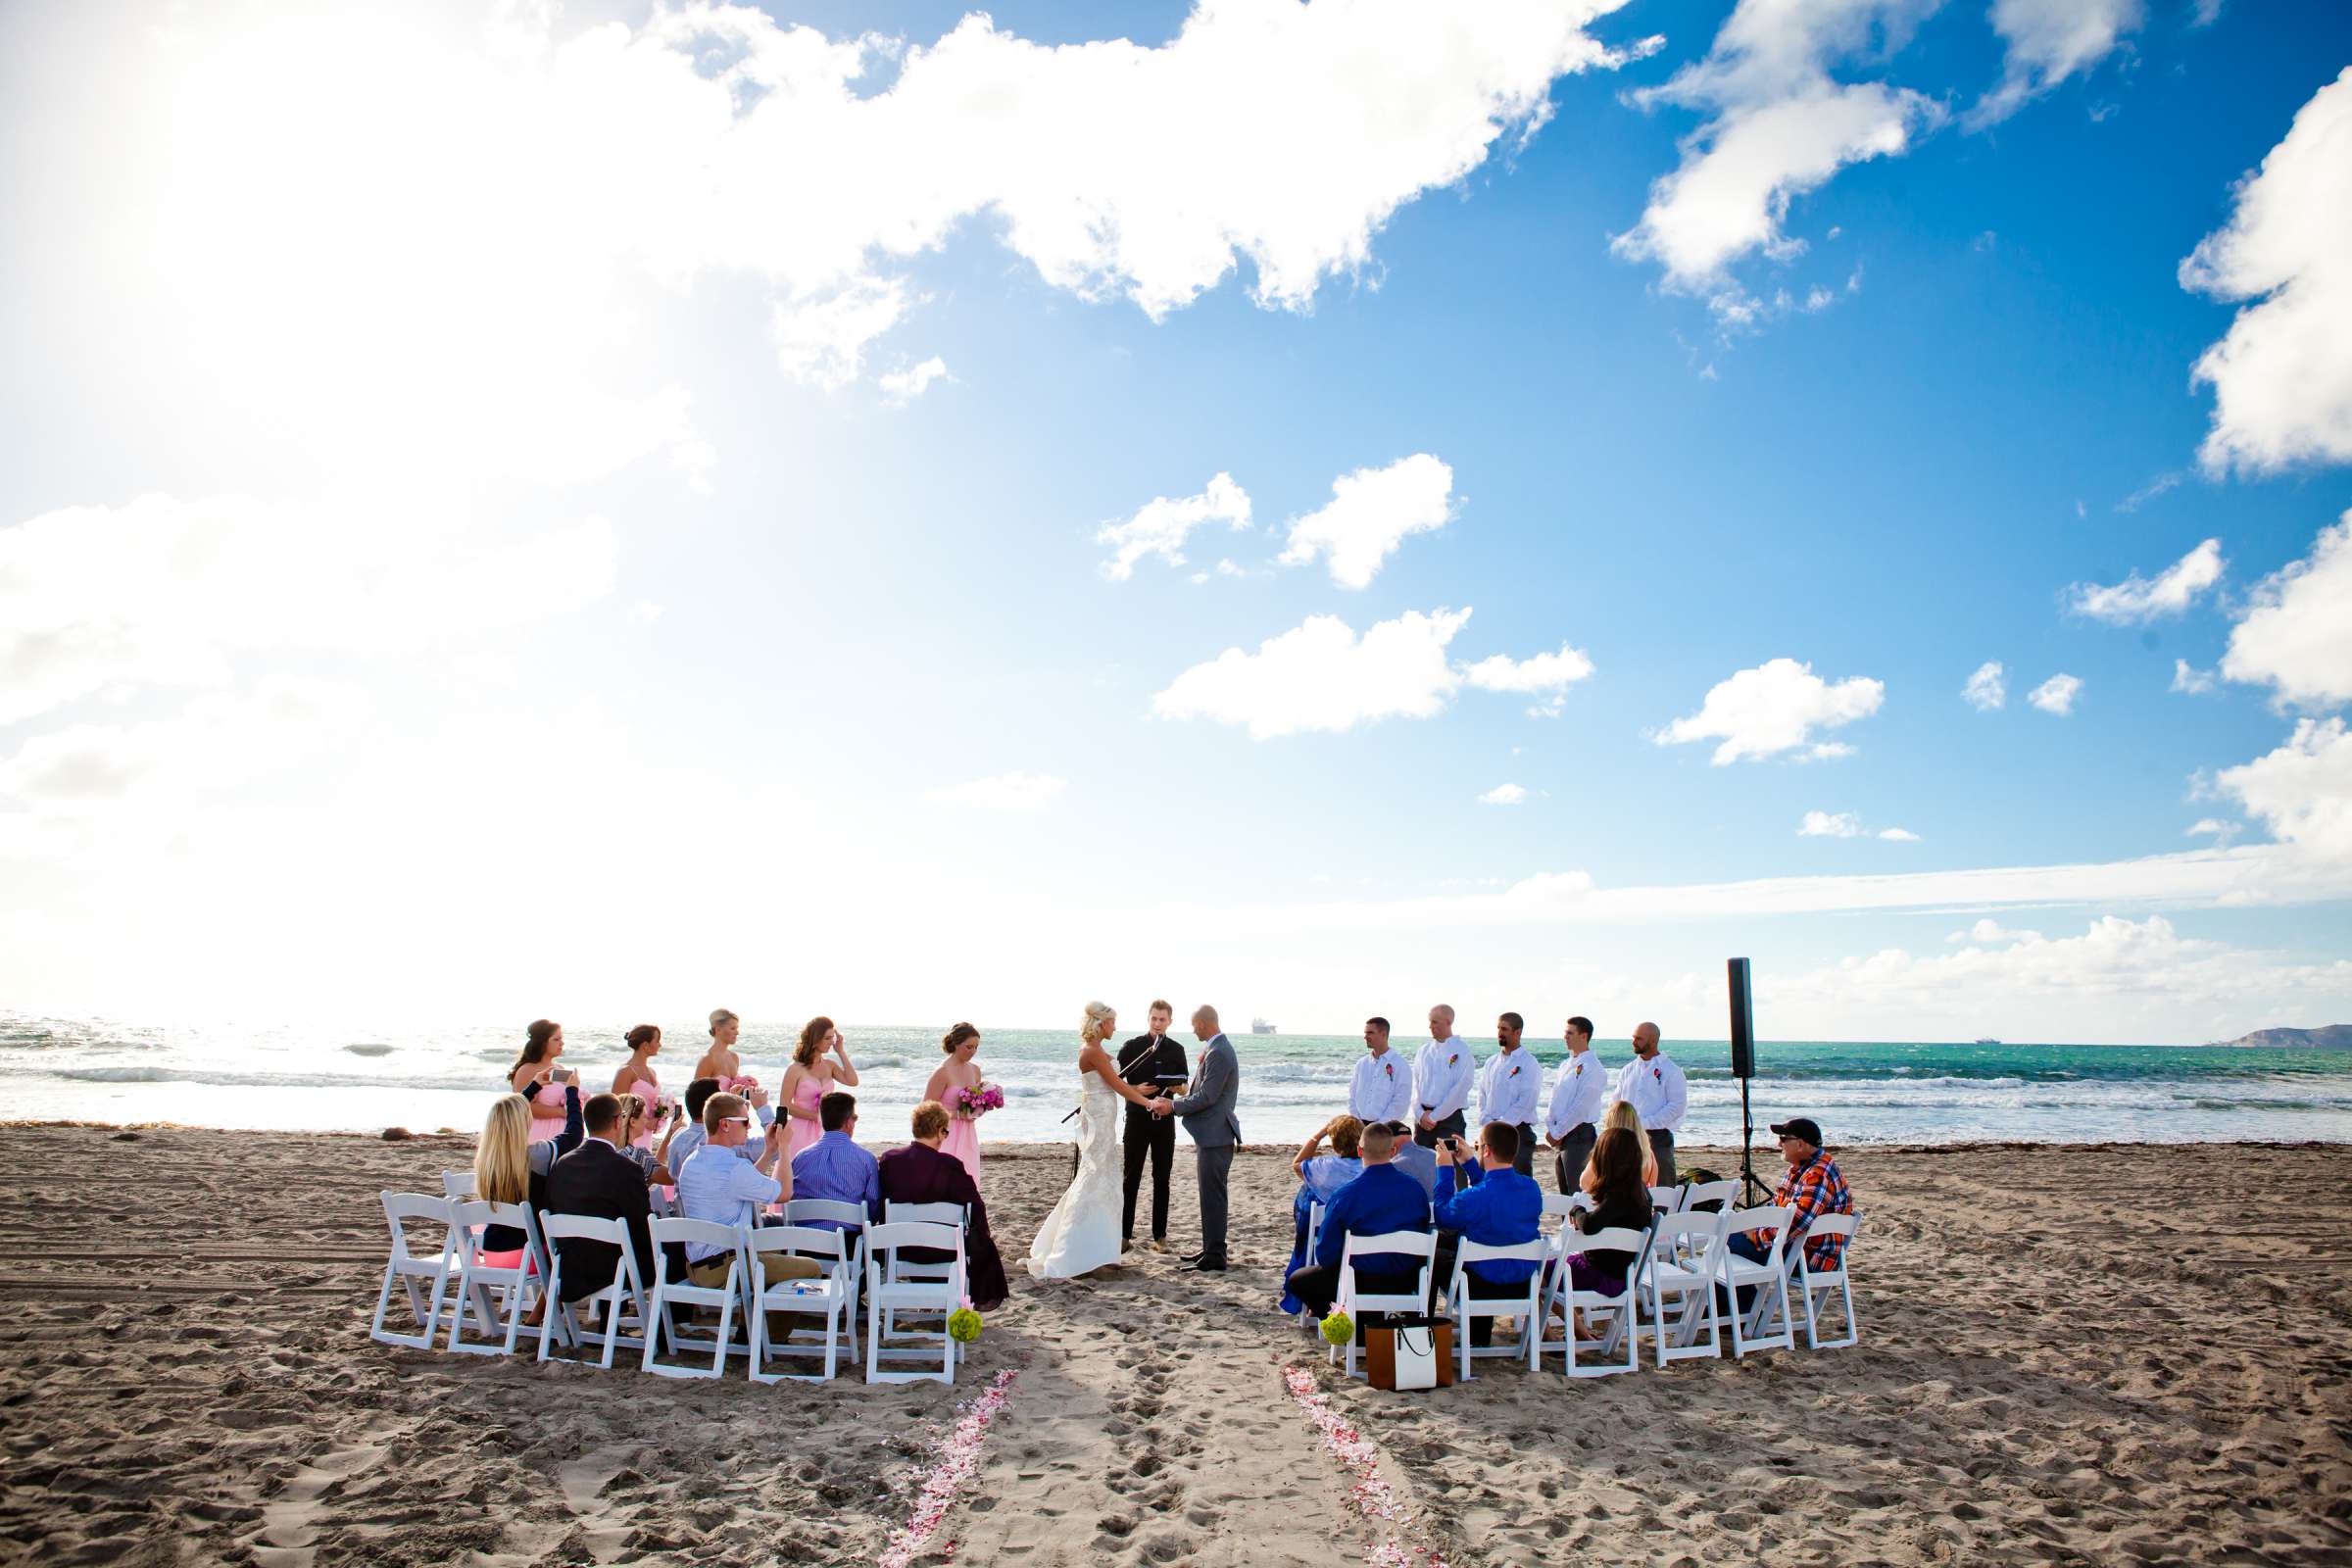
[
  {"x": 1623, "y": 1114},
  {"x": 510, "y": 1168}
]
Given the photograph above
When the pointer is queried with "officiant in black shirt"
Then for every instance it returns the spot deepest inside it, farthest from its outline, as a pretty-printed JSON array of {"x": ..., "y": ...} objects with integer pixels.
[{"x": 1150, "y": 1061}]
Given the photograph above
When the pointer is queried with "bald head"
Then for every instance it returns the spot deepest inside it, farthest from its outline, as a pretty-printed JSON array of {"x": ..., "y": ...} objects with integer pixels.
[
  {"x": 1440, "y": 1022},
  {"x": 1645, "y": 1040},
  {"x": 1204, "y": 1022}
]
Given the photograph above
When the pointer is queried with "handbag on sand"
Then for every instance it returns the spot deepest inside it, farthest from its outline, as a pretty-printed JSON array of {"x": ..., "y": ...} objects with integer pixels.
[{"x": 1411, "y": 1353}]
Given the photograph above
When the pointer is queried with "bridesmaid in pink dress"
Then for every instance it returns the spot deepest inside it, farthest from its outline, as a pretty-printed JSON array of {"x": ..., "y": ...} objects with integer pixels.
[
  {"x": 820, "y": 1062},
  {"x": 957, "y": 1080},
  {"x": 636, "y": 1076},
  {"x": 531, "y": 1077}
]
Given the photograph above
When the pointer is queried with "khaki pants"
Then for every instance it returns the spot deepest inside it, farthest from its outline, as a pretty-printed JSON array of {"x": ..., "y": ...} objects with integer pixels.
[{"x": 779, "y": 1267}]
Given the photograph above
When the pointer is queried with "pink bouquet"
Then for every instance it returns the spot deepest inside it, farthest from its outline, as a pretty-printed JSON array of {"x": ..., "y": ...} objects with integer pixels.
[{"x": 986, "y": 1098}]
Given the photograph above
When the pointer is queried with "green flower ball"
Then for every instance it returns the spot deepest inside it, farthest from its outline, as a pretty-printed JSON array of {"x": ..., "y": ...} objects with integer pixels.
[
  {"x": 1338, "y": 1328},
  {"x": 963, "y": 1325}
]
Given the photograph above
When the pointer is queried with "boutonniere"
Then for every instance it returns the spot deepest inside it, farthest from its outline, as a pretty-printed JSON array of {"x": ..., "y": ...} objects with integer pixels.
[
  {"x": 1514, "y": 1070},
  {"x": 1389, "y": 1068},
  {"x": 1453, "y": 1059},
  {"x": 1658, "y": 1073}
]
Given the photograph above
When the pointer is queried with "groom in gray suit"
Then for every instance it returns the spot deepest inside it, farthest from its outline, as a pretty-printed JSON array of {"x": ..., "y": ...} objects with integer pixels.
[{"x": 1208, "y": 1116}]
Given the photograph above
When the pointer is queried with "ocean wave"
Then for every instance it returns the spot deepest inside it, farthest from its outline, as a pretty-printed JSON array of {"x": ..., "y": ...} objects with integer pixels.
[
  {"x": 369, "y": 1048},
  {"x": 225, "y": 1078}
]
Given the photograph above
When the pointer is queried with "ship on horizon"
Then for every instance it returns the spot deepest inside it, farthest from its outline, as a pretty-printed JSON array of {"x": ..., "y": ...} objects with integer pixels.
[
  {"x": 1259, "y": 1026},
  {"x": 1987, "y": 1040}
]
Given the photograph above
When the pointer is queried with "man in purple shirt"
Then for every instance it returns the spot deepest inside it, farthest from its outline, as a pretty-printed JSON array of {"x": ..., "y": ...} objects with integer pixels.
[{"x": 834, "y": 1166}]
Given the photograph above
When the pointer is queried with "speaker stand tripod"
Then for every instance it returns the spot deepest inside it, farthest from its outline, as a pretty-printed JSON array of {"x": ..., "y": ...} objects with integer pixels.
[{"x": 1749, "y": 1187}]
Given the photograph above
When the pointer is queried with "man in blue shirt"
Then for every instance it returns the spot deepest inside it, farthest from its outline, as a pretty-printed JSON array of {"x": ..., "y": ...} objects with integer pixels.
[
  {"x": 1493, "y": 1204},
  {"x": 1382, "y": 1199},
  {"x": 689, "y": 1137},
  {"x": 834, "y": 1166}
]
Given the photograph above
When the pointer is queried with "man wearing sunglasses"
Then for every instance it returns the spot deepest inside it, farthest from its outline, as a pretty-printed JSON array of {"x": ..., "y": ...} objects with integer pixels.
[{"x": 717, "y": 1184}]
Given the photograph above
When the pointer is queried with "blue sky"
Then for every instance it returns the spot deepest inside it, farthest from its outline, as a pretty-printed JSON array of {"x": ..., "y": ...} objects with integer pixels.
[{"x": 545, "y": 599}]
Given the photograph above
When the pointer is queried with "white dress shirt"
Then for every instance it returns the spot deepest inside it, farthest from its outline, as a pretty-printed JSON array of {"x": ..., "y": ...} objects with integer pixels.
[
  {"x": 1578, "y": 1090},
  {"x": 1443, "y": 1070},
  {"x": 1382, "y": 1088},
  {"x": 1656, "y": 1091},
  {"x": 1509, "y": 1088}
]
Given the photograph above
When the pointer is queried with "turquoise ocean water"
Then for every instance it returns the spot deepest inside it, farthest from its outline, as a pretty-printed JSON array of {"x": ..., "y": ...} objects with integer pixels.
[{"x": 275, "y": 1076}]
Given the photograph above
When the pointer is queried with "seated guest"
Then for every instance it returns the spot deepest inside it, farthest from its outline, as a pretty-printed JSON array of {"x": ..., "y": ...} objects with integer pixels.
[
  {"x": 687, "y": 1139},
  {"x": 920, "y": 1173},
  {"x": 595, "y": 1180},
  {"x": 1494, "y": 1204},
  {"x": 636, "y": 1121},
  {"x": 834, "y": 1166},
  {"x": 1621, "y": 1113},
  {"x": 509, "y": 1167},
  {"x": 1414, "y": 1158},
  {"x": 1813, "y": 1186},
  {"x": 717, "y": 1185},
  {"x": 1382, "y": 1198},
  {"x": 1620, "y": 1201},
  {"x": 1320, "y": 1175}
]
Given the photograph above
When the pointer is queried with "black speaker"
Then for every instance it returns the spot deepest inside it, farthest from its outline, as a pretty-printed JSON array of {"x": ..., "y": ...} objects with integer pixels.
[{"x": 1743, "y": 1021}]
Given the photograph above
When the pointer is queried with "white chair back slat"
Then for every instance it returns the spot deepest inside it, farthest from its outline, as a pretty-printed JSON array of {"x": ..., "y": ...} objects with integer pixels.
[
  {"x": 409, "y": 1265},
  {"x": 1419, "y": 1246}
]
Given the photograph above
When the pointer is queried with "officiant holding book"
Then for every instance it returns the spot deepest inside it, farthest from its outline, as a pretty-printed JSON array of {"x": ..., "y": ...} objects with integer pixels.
[{"x": 1154, "y": 1061}]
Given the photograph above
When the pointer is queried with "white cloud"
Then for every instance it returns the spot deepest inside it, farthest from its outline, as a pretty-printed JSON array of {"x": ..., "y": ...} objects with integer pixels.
[
  {"x": 1779, "y": 125},
  {"x": 2189, "y": 679},
  {"x": 2113, "y": 958},
  {"x": 1544, "y": 673},
  {"x": 165, "y": 592},
  {"x": 1001, "y": 792},
  {"x": 822, "y": 340},
  {"x": 1774, "y": 708},
  {"x": 1898, "y": 835},
  {"x": 2048, "y": 41},
  {"x": 2138, "y": 599},
  {"x": 2282, "y": 376},
  {"x": 2296, "y": 633},
  {"x": 1985, "y": 690},
  {"x": 1319, "y": 677},
  {"x": 1989, "y": 930},
  {"x": 2302, "y": 791},
  {"x": 1162, "y": 525},
  {"x": 218, "y": 742},
  {"x": 1505, "y": 794},
  {"x": 1370, "y": 513},
  {"x": 2214, "y": 828},
  {"x": 902, "y": 388},
  {"x": 2056, "y": 695},
  {"x": 1830, "y": 825}
]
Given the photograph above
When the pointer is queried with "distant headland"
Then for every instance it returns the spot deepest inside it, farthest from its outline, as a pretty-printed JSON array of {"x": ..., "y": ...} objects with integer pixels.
[{"x": 2330, "y": 1036}]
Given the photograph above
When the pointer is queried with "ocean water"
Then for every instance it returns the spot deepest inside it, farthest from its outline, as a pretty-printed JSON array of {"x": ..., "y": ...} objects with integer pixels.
[{"x": 314, "y": 1077}]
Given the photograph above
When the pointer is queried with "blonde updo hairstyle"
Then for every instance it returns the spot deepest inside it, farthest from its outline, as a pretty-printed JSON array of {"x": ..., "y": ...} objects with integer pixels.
[{"x": 1096, "y": 1023}]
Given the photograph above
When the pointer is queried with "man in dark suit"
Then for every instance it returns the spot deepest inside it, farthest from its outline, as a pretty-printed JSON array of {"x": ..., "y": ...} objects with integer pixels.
[
  {"x": 1148, "y": 1061},
  {"x": 596, "y": 1181}
]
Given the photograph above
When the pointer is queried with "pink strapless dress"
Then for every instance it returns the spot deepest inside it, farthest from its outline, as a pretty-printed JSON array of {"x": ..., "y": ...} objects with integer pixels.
[
  {"x": 963, "y": 1134},
  {"x": 547, "y": 1097},
  {"x": 805, "y": 1130}
]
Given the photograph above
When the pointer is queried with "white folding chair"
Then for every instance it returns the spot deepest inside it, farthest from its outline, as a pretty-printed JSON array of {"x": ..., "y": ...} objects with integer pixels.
[
  {"x": 831, "y": 1296},
  {"x": 1754, "y": 1328},
  {"x": 1620, "y": 1310},
  {"x": 410, "y": 1266},
  {"x": 476, "y": 1279},
  {"x": 1690, "y": 1285},
  {"x": 1462, "y": 1306},
  {"x": 455, "y": 1184},
  {"x": 1699, "y": 1195},
  {"x": 621, "y": 1299},
  {"x": 1811, "y": 1281},
  {"x": 854, "y": 1221},
  {"x": 1668, "y": 1199},
  {"x": 669, "y": 1294},
  {"x": 901, "y": 1270},
  {"x": 1418, "y": 1244},
  {"x": 891, "y": 1289}
]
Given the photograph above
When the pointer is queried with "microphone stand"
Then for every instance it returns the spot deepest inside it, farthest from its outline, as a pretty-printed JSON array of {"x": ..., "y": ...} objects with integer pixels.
[{"x": 1748, "y": 1185}]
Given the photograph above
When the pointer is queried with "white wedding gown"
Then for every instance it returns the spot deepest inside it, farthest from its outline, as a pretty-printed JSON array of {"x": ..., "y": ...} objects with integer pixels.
[{"x": 1082, "y": 1233}]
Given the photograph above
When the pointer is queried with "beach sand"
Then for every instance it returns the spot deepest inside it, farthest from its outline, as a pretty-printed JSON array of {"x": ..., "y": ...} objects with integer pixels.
[{"x": 2068, "y": 1354}]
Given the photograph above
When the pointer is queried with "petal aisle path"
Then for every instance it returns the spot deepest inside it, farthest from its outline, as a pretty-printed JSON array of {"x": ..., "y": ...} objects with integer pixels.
[{"x": 1153, "y": 1427}]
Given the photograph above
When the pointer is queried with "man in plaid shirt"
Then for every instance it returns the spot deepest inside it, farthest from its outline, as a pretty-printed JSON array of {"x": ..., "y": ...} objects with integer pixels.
[{"x": 1812, "y": 1186}]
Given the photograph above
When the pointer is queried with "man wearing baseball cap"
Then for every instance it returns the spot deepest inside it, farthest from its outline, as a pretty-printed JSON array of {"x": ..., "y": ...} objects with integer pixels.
[{"x": 1812, "y": 1186}]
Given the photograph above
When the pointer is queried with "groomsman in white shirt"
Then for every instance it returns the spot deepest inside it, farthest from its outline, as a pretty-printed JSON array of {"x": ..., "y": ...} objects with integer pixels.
[
  {"x": 1578, "y": 1091},
  {"x": 1511, "y": 1088},
  {"x": 1383, "y": 1087},
  {"x": 1443, "y": 1070},
  {"x": 1654, "y": 1085}
]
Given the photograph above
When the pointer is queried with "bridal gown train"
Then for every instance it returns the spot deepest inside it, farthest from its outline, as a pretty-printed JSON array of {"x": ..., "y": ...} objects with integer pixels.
[{"x": 1082, "y": 1233}]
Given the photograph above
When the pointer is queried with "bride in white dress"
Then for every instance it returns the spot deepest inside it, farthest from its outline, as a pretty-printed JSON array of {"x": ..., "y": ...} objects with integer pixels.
[{"x": 1082, "y": 1233}]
